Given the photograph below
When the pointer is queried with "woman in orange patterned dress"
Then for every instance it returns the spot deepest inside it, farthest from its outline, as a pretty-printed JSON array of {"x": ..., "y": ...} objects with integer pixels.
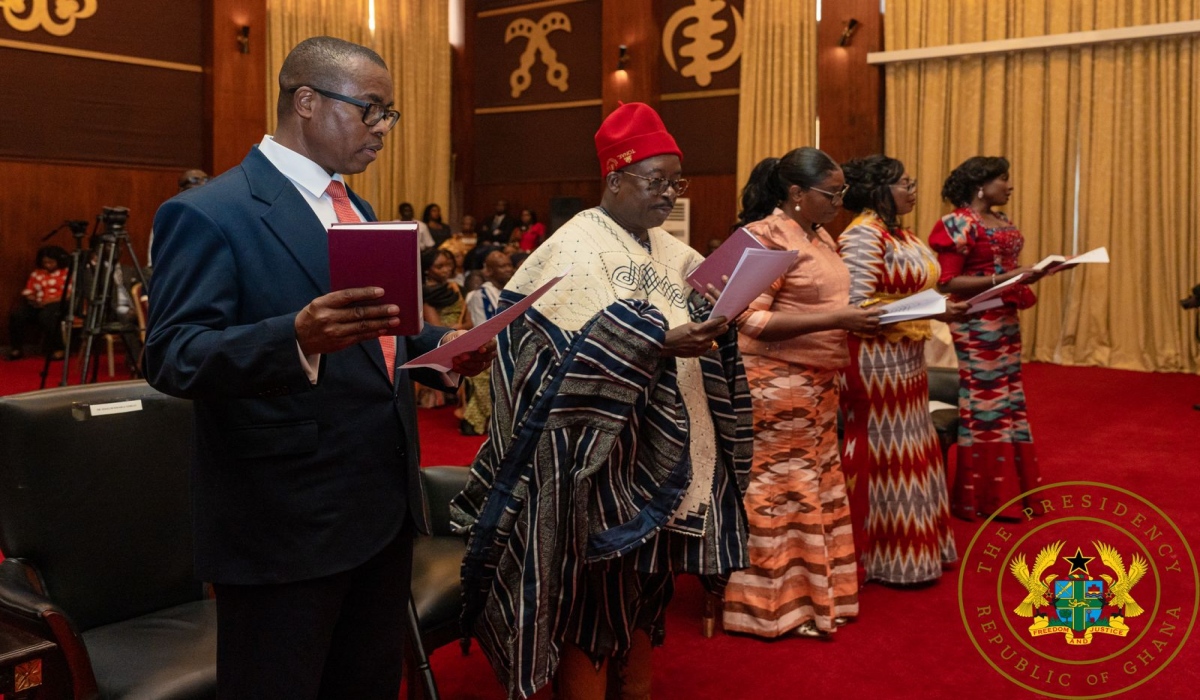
[{"x": 802, "y": 577}]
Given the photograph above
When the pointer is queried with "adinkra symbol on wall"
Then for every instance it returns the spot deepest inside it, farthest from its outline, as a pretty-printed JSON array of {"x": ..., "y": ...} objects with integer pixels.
[
  {"x": 28, "y": 15},
  {"x": 702, "y": 27},
  {"x": 539, "y": 42}
]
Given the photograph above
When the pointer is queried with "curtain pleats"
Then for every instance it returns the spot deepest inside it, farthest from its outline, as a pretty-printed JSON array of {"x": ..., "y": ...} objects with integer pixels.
[
  {"x": 1123, "y": 117},
  {"x": 777, "y": 105},
  {"x": 412, "y": 36}
]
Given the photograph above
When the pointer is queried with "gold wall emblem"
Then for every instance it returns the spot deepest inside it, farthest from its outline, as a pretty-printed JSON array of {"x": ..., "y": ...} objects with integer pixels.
[
  {"x": 704, "y": 48},
  {"x": 537, "y": 34},
  {"x": 28, "y": 15}
]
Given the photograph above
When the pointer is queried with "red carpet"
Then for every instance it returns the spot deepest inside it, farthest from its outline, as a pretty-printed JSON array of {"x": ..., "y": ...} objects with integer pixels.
[{"x": 1133, "y": 430}]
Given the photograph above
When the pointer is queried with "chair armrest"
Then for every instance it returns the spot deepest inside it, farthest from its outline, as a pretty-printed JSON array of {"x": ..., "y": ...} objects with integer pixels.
[
  {"x": 20, "y": 595},
  {"x": 23, "y": 606},
  {"x": 441, "y": 485}
]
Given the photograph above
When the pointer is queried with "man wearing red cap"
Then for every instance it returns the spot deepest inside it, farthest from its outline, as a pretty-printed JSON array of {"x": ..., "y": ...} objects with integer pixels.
[{"x": 620, "y": 439}]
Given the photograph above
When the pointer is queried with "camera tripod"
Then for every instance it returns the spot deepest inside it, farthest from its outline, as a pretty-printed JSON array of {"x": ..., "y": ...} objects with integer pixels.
[{"x": 100, "y": 273}]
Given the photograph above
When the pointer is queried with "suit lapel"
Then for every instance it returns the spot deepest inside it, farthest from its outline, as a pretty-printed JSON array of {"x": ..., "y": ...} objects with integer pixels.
[
  {"x": 289, "y": 218},
  {"x": 292, "y": 221}
]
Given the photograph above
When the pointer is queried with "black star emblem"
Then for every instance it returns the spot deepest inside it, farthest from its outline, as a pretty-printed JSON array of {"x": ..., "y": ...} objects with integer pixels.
[{"x": 1078, "y": 562}]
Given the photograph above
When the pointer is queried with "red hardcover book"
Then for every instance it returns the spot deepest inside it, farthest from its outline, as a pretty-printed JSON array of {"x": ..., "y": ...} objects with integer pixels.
[
  {"x": 380, "y": 254},
  {"x": 723, "y": 261}
]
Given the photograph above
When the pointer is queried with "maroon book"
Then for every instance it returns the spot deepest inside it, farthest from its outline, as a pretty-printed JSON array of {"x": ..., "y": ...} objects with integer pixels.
[
  {"x": 723, "y": 261},
  {"x": 380, "y": 254}
]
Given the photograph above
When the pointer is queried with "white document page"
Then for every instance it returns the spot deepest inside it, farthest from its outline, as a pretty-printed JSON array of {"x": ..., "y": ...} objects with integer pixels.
[
  {"x": 995, "y": 291},
  {"x": 923, "y": 305},
  {"x": 985, "y": 305},
  {"x": 442, "y": 358},
  {"x": 753, "y": 275}
]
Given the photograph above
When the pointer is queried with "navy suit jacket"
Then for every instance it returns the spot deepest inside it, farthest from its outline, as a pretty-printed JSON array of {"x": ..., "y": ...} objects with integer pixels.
[{"x": 290, "y": 480}]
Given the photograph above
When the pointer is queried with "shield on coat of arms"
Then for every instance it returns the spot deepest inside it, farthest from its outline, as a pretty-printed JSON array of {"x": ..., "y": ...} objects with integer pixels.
[{"x": 1079, "y": 602}]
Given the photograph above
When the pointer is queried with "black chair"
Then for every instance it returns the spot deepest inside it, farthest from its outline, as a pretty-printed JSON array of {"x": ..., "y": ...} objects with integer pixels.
[
  {"x": 437, "y": 583},
  {"x": 943, "y": 386},
  {"x": 95, "y": 519}
]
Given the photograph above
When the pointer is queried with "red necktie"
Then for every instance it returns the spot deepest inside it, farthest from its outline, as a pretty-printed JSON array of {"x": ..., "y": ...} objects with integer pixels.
[{"x": 346, "y": 215}]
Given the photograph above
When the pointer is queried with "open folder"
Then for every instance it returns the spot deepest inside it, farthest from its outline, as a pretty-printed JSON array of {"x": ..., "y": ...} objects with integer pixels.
[
  {"x": 380, "y": 254},
  {"x": 921, "y": 305},
  {"x": 722, "y": 261},
  {"x": 1057, "y": 263},
  {"x": 755, "y": 272},
  {"x": 442, "y": 358}
]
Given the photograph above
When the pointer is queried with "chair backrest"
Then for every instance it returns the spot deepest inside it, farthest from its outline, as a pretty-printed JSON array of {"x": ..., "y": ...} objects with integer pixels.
[
  {"x": 441, "y": 485},
  {"x": 94, "y": 494},
  {"x": 943, "y": 385}
]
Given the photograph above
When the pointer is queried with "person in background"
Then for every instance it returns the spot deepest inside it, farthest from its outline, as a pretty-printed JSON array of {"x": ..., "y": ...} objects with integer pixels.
[
  {"x": 499, "y": 226},
  {"x": 802, "y": 577},
  {"x": 188, "y": 180},
  {"x": 443, "y": 307},
  {"x": 459, "y": 244},
  {"x": 619, "y": 439},
  {"x": 891, "y": 458},
  {"x": 41, "y": 304},
  {"x": 518, "y": 259},
  {"x": 978, "y": 247},
  {"x": 432, "y": 218},
  {"x": 424, "y": 237},
  {"x": 529, "y": 232},
  {"x": 305, "y": 471},
  {"x": 482, "y": 304}
]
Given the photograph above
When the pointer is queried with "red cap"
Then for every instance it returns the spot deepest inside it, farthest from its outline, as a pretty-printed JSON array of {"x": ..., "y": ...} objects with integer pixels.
[{"x": 633, "y": 132}]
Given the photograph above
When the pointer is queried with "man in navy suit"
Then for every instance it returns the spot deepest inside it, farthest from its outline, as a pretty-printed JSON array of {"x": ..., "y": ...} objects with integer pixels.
[{"x": 305, "y": 479}]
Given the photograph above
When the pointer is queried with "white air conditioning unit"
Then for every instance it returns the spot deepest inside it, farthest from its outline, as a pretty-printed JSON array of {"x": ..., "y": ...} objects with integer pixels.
[{"x": 679, "y": 223}]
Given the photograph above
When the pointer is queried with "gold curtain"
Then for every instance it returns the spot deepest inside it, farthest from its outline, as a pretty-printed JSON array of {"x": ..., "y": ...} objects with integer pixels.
[
  {"x": 1115, "y": 115},
  {"x": 777, "y": 104},
  {"x": 412, "y": 36}
]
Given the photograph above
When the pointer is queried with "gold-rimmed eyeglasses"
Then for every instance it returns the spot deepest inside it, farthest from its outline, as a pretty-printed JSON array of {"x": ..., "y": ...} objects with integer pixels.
[
  {"x": 659, "y": 185},
  {"x": 909, "y": 186},
  {"x": 834, "y": 197},
  {"x": 373, "y": 112}
]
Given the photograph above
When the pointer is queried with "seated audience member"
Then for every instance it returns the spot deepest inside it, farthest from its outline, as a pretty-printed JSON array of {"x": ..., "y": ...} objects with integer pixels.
[
  {"x": 483, "y": 304},
  {"x": 499, "y": 226},
  {"x": 424, "y": 238},
  {"x": 461, "y": 243},
  {"x": 529, "y": 232},
  {"x": 41, "y": 304},
  {"x": 432, "y": 217},
  {"x": 443, "y": 306},
  {"x": 475, "y": 257}
]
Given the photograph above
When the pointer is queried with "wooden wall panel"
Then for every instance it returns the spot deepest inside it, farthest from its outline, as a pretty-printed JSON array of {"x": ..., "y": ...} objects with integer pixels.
[
  {"x": 714, "y": 207},
  {"x": 534, "y": 195},
  {"x": 636, "y": 25},
  {"x": 40, "y": 196},
  {"x": 136, "y": 99},
  {"x": 512, "y": 171},
  {"x": 236, "y": 94},
  {"x": 849, "y": 91}
]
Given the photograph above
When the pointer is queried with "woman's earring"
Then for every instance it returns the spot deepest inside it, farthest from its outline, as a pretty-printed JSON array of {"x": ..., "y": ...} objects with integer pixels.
[
  {"x": 797, "y": 206},
  {"x": 980, "y": 195}
]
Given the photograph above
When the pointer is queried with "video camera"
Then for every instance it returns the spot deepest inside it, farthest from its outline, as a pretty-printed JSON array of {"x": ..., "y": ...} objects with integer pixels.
[{"x": 1193, "y": 301}]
